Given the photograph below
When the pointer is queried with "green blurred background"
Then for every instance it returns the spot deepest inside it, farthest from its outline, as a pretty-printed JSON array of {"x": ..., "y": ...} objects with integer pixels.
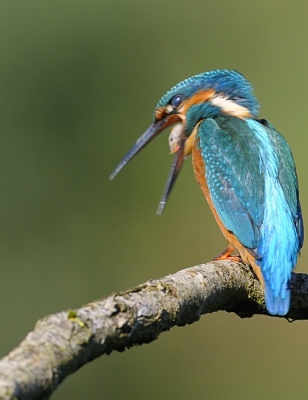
[{"x": 78, "y": 84}]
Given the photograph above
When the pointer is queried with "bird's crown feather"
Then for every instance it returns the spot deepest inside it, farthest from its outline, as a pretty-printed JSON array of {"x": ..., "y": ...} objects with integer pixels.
[{"x": 228, "y": 83}]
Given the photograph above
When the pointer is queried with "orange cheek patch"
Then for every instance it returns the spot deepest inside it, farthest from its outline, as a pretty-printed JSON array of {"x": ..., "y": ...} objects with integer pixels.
[{"x": 198, "y": 98}]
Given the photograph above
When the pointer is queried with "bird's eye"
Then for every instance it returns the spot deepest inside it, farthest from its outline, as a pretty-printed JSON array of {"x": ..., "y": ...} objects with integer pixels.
[{"x": 176, "y": 100}]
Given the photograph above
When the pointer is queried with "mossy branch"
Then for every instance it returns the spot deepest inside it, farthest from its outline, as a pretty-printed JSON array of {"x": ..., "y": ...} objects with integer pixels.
[{"x": 62, "y": 343}]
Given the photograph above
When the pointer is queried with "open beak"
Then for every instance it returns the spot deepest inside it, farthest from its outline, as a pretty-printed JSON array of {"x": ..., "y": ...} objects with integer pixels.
[
  {"x": 173, "y": 174},
  {"x": 146, "y": 138}
]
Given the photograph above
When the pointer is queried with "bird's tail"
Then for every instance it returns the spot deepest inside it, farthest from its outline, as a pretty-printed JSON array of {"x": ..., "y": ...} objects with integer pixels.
[{"x": 277, "y": 304}]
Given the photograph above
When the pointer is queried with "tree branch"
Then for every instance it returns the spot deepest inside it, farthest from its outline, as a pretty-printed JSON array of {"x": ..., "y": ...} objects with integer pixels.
[{"x": 62, "y": 343}]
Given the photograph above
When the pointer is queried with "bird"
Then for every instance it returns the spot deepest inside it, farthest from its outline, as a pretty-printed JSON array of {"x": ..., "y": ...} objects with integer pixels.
[{"x": 244, "y": 167}]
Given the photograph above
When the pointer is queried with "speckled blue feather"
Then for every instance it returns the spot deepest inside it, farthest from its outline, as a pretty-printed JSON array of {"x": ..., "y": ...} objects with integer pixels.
[
  {"x": 233, "y": 175},
  {"x": 231, "y": 83},
  {"x": 280, "y": 240},
  {"x": 253, "y": 185}
]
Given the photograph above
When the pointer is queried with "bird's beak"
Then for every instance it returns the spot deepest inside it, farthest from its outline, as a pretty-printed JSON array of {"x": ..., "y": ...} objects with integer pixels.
[
  {"x": 143, "y": 140},
  {"x": 173, "y": 174}
]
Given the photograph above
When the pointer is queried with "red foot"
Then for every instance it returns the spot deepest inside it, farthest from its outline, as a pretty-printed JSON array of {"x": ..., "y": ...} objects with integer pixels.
[{"x": 225, "y": 255}]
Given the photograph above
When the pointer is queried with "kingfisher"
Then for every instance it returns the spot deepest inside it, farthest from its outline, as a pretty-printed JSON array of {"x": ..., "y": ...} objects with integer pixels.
[{"x": 245, "y": 169}]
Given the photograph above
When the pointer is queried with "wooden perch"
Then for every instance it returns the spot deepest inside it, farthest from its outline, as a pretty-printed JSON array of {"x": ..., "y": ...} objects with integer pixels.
[{"x": 62, "y": 343}]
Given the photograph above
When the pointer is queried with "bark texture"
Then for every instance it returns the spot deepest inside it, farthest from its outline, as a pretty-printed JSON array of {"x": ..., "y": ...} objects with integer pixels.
[{"x": 62, "y": 343}]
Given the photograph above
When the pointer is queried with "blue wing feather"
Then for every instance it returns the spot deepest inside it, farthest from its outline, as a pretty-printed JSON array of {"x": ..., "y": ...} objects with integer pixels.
[
  {"x": 287, "y": 177},
  {"x": 234, "y": 177},
  {"x": 253, "y": 184}
]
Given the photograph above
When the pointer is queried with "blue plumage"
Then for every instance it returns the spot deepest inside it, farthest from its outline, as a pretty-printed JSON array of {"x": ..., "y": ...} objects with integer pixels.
[
  {"x": 230, "y": 83},
  {"x": 252, "y": 181},
  {"x": 280, "y": 240},
  {"x": 245, "y": 169},
  {"x": 233, "y": 177}
]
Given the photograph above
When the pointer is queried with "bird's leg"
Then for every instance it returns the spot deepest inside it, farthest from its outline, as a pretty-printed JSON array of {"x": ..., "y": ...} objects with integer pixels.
[{"x": 226, "y": 255}]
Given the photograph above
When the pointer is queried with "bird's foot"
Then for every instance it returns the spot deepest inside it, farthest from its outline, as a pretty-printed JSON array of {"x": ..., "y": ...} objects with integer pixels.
[{"x": 226, "y": 255}]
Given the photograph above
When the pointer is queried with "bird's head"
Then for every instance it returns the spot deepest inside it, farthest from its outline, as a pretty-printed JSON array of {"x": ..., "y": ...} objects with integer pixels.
[{"x": 206, "y": 95}]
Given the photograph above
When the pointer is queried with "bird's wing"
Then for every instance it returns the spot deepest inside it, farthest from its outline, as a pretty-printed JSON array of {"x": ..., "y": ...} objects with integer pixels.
[
  {"x": 234, "y": 176},
  {"x": 287, "y": 177},
  {"x": 235, "y": 173}
]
